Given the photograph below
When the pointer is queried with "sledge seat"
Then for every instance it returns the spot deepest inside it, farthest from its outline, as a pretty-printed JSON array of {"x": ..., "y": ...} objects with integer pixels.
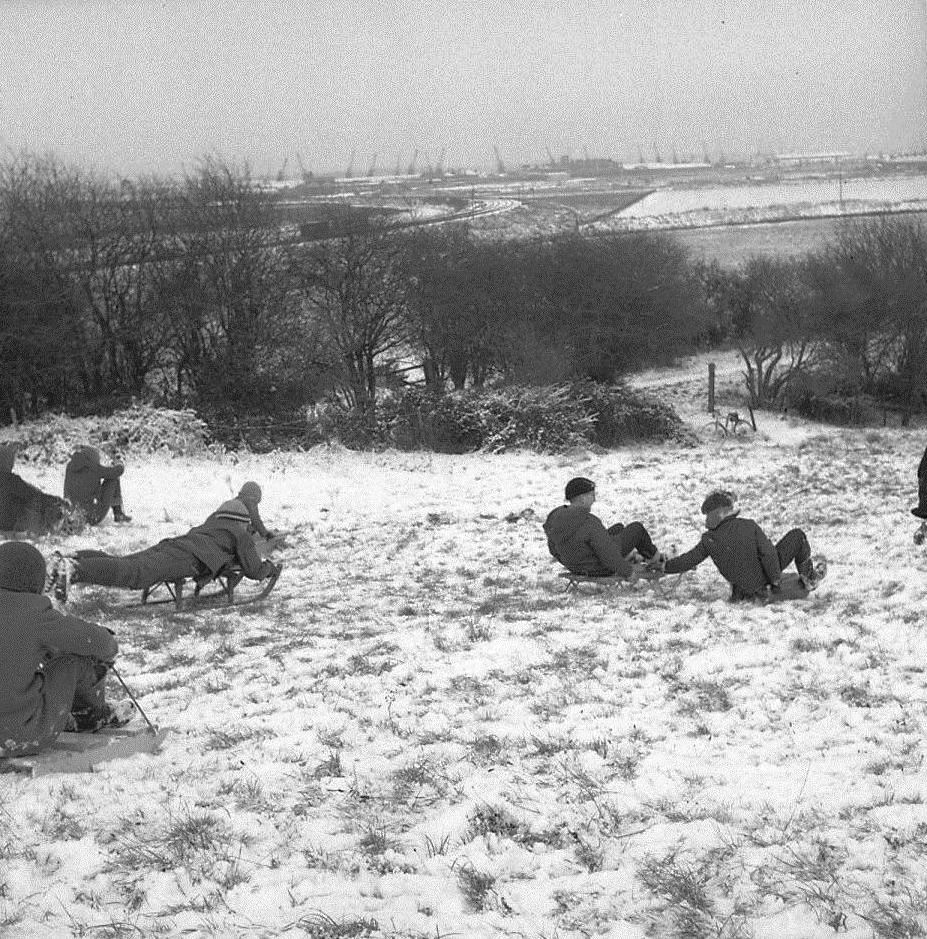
[
  {"x": 80, "y": 753},
  {"x": 227, "y": 577},
  {"x": 573, "y": 581}
]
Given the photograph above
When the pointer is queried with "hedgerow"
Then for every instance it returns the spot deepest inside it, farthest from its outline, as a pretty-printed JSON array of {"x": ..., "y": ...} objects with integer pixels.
[
  {"x": 547, "y": 419},
  {"x": 137, "y": 430}
]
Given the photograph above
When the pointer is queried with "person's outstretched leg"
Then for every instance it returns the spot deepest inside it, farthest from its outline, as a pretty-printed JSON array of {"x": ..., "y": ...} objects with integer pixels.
[
  {"x": 634, "y": 537},
  {"x": 794, "y": 546}
]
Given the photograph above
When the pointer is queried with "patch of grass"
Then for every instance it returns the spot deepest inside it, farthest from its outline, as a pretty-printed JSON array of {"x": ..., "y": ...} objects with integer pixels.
[
  {"x": 493, "y": 819},
  {"x": 329, "y": 767},
  {"x": 478, "y": 887},
  {"x": 195, "y": 840},
  {"x": 685, "y": 889},
  {"x": 221, "y": 739},
  {"x": 479, "y": 630},
  {"x": 319, "y": 925}
]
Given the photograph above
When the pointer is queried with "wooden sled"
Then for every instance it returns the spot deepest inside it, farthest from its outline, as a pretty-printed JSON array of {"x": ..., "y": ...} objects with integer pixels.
[
  {"x": 573, "y": 581},
  {"x": 228, "y": 579},
  {"x": 80, "y": 753}
]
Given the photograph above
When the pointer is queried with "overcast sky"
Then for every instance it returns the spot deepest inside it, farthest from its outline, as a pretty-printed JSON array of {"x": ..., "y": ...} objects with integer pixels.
[{"x": 150, "y": 85}]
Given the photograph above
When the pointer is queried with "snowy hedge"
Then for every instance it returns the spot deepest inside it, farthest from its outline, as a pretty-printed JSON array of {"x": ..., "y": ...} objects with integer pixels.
[
  {"x": 137, "y": 430},
  {"x": 548, "y": 419}
]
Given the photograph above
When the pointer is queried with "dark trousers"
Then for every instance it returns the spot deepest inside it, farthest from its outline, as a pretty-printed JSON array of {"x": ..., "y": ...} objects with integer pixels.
[
  {"x": 793, "y": 546},
  {"x": 69, "y": 683},
  {"x": 137, "y": 571},
  {"x": 109, "y": 496},
  {"x": 633, "y": 537}
]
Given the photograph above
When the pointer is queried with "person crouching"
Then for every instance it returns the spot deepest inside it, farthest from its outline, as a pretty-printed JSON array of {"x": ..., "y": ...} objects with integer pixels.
[{"x": 52, "y": 666}]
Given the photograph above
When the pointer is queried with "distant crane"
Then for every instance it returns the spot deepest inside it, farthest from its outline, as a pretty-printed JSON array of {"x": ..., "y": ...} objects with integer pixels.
[
  {"x": 306, "y": 174},
  {"x": 500, "y": 166},
  {"x": 410, "y": 170},
  {"x": 372, "y": 167},
  {"x": 349, "y": 172},
  {"x": 550, "y": 157}
]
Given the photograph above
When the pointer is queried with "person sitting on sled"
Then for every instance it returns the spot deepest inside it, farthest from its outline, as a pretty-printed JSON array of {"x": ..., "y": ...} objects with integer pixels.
[
  {"x": 52, "y": 666},
  {"x": 583, "y": 545},
  {"x": 223, "y": 539},
  {"x": 743, "y": 554},
  {"x": 24, "y": 507},
  {"x": 93, "y": 487}
]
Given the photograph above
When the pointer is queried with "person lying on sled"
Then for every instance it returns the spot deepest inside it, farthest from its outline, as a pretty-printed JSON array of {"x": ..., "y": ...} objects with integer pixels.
[
  {"x": 52, "y": 665},
  {"x": 223, "y": 539},
  {"x": 23, "y": 507},
  {"x": 583, "y": 545},
  {"x": 94, "y": 487},
  {"x": 743, "y": 554}
]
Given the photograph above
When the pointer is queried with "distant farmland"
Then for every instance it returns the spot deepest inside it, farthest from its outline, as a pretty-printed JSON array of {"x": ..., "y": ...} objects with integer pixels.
[{"x": 731, "y": 244}]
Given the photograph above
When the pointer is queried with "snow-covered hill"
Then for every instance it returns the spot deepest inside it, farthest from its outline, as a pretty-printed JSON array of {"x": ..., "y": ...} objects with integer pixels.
[{"x": 420, "y": 735}]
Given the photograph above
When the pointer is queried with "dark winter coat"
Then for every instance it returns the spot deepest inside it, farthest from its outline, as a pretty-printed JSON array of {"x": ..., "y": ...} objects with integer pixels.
[
  {"x": 743, "y": 554},
  {"x": 210, "y": 546},
  {"x": 23, "y": 507},
  {"x": 32, "y": 633},
  {"x": 220, "y": 541},
  {"x": 581, "y": 543},
  {"x": 84, "y": 474}
]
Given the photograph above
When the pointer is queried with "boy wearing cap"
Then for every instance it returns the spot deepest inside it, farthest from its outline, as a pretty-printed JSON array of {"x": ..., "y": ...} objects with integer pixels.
[
  {"x": 221, "y": 540},
  {"x": 94, "y": 487},
  {"x": 52, "y": 666},
  {"x": 583, "y": 545},
  {"x": 743, "y": 554}
]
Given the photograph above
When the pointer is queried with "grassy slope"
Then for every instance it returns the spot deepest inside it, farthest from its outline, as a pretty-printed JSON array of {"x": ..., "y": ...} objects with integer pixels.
[{"x": 420, "y": 729}]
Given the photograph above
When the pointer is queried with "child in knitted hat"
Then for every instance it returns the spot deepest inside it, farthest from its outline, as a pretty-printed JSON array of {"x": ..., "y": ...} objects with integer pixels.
[
  {"x": 250, "y": 495},
  {"x": 52, "y": 666}
]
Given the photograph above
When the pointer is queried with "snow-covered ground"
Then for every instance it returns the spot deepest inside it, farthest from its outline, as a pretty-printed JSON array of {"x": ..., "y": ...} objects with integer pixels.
[{"x": 420, "y": 735}]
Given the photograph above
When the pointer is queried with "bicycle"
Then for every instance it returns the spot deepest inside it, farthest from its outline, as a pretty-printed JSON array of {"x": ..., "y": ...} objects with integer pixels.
[{"x": 732, "y": 424}]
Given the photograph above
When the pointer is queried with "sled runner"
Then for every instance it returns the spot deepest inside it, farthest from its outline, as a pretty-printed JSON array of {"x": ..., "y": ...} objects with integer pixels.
[
  {"x": 573, "y": 581},
  {"x": 80, "y": 753},
  {"x": 227, "y": 579}
]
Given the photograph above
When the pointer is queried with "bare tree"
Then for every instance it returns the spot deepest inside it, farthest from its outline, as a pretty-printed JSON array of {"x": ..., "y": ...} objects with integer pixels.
[{"x": 353, "y": 291}]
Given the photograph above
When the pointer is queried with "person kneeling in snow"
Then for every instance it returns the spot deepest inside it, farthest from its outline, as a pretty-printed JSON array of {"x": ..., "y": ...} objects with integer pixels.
[
  {"x": 52, "y": 666},
  {"x": 583, "y": 545},
  {"x": 743, "y": 554},
  {"x": 222, "y": 540}
]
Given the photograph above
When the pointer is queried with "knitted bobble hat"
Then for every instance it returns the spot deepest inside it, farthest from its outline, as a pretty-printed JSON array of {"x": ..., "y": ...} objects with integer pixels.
[
  {"x": 233, "y": 509},
  {"x": 250, "y": 492},
  {"x": 22, "y": 567}
]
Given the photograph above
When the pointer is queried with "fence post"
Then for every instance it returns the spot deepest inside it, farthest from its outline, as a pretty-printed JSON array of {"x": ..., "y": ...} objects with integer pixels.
[{"x": 711, "y": 387}]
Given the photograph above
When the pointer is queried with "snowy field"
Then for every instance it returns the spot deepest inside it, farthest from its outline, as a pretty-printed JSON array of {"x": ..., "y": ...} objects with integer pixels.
[{"x": 419, "y": 735}]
